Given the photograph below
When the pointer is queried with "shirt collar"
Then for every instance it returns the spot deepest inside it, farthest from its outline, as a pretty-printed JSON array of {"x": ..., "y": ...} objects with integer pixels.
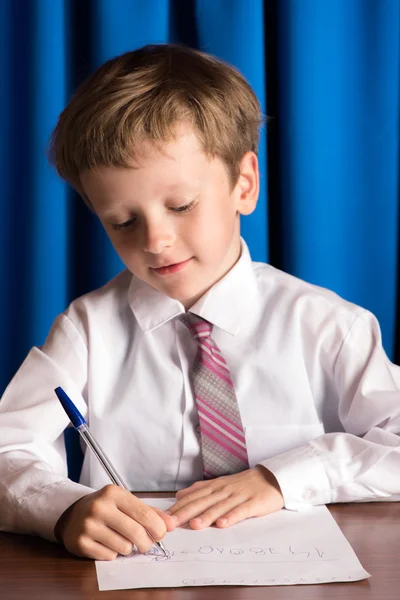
[{"x": 226, "y": 304}]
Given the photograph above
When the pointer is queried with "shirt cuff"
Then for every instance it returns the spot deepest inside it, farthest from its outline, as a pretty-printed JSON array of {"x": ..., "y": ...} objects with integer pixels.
[
  {"x": 39, "y": 513},
  {"x": 301, "y": 477}
]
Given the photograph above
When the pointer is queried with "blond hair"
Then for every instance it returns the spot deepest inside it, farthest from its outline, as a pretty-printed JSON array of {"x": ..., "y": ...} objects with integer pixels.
[{"x": 142, "y": 95}]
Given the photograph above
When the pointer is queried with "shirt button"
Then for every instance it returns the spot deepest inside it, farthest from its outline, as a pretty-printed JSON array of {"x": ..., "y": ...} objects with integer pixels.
[{"x": 197, "y": 429}]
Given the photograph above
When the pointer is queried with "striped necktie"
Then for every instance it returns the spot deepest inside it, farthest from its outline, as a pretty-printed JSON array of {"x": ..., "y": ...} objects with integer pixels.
[{"x": 223, "y": 444}]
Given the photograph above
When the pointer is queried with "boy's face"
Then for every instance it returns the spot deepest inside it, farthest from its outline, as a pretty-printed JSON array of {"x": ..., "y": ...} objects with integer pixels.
[{"x": 173, "y": 218}]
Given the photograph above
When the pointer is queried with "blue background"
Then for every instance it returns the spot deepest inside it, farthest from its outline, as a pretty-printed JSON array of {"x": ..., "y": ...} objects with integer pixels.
[{"x": 325, "y": 71}]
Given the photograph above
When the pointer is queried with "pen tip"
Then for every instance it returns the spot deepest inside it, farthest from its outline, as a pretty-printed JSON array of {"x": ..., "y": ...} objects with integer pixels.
[{"x": 161, "y": 545}]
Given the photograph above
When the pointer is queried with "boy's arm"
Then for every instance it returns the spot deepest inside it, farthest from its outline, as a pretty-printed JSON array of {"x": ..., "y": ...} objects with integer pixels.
[
  {"x": 34, "y": 487},
  {"x": 362, "y": 464}
]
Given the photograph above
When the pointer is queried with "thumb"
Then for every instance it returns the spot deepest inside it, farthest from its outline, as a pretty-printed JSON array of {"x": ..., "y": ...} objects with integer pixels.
[{"x": 168, "y": 519}]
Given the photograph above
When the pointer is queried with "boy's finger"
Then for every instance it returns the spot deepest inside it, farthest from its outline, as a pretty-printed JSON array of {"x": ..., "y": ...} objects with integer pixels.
[
  {"x": 97, "y": 551},
  {"x": 143, "y": 514},
  {"x": 114, "y": 540},
  {"x": 215, "y": 512},
  {"x": 128, "y": 528},
  {"x": 169, "y": 521},
  {"x": 194, "y": 496},
  {"x": 246, "y": 510},
  {"x": 186, "y": 511},
  {"x": 198, "y": 485}
]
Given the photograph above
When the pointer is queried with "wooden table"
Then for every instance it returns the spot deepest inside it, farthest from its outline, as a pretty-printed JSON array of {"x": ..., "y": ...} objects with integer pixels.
[{"x": 31, "y": 568}]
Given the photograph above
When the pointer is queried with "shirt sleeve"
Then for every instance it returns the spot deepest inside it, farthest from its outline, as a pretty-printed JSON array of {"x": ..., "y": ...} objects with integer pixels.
[
  {"x": 34, "y": 486},
  {"x": 363, "y": 463}
]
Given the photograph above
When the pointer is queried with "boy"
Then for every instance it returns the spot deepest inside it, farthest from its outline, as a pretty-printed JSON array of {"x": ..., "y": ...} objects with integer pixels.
[{"x": 242, "y": 387}]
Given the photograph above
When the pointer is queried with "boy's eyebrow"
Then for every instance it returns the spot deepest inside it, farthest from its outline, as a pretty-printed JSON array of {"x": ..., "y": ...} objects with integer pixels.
[
  {"x": 111, "y": 212},
  {"x": 176, "y": 186},
  {"x": 104, "y": 211}
]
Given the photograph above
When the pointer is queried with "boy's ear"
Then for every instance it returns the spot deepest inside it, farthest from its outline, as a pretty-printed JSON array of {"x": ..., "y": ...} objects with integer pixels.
[{"x": 248, "y": 184}]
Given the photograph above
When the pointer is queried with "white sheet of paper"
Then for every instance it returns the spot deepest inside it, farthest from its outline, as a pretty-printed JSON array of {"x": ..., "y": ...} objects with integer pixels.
[{"x": 284, "y": 548}]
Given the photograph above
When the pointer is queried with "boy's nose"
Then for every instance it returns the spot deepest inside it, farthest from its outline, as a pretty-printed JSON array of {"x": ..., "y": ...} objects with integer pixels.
[{"x": 158, "y": 240}]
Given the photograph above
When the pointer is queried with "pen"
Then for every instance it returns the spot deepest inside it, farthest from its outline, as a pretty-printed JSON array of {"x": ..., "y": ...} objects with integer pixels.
[{"x": 80, "y": 425}]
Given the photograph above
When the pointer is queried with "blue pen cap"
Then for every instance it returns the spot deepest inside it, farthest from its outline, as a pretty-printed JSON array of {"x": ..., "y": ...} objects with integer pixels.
[{"x": 73, "y": 413}]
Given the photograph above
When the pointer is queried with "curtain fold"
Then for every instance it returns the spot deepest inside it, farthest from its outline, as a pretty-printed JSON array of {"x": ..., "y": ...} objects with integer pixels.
[
  {"x": 326, "y": 72},
  {"x": 339, "y": 141}
]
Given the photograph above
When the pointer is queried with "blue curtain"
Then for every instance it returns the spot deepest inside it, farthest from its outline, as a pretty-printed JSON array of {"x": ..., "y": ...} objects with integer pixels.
[{"x": 325, "y": 71}]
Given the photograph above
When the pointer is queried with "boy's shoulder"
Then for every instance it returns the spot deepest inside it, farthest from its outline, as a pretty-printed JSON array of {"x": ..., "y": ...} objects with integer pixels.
[
  {"x": 102, "y": 310},
  {"x": 109, "y": 298},
  {"x": 275, "y": 283}
]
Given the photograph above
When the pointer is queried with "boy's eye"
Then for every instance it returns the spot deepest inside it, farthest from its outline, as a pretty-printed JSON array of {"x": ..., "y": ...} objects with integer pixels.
[
  {"x": 184, "y": 208},
  {"x": 126, "y": 225}
]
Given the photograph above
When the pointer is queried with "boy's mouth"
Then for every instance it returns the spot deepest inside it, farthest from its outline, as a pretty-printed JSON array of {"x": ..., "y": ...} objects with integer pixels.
[{"x": 171, "y": 268}]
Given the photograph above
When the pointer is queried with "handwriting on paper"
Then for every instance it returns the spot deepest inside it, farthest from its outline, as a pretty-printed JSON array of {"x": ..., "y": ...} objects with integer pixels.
[{"x": 244, "y": 554}]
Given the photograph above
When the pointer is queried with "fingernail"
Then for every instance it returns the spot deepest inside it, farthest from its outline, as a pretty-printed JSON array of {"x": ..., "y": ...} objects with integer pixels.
[
  {"x": 168, "y": 512},
  {"x": 223, "y": 521}
]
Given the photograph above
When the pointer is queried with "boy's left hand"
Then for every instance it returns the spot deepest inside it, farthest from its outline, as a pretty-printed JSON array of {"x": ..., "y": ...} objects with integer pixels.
[{"x": 228, "y": 500}]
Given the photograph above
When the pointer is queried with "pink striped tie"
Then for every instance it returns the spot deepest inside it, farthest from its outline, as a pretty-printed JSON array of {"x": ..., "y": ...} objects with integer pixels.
[{"x": 223, "y": 444}]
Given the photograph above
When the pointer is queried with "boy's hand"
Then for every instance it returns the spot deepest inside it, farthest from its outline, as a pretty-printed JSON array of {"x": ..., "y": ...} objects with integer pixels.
[
  {"x": 227, "y": 500},
  {"x": 109, "y": 522}
]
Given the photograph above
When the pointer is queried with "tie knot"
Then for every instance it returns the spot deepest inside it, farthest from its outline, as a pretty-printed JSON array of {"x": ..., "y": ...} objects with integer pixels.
[{"x": 198, "y": 327}]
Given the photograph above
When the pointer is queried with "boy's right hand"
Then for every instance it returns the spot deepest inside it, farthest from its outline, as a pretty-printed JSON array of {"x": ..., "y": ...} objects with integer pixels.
[{"x": 109, "y": 522}]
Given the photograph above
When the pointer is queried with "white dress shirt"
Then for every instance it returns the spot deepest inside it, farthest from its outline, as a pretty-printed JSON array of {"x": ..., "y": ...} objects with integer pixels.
[{"x": 318, "y": 397}]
